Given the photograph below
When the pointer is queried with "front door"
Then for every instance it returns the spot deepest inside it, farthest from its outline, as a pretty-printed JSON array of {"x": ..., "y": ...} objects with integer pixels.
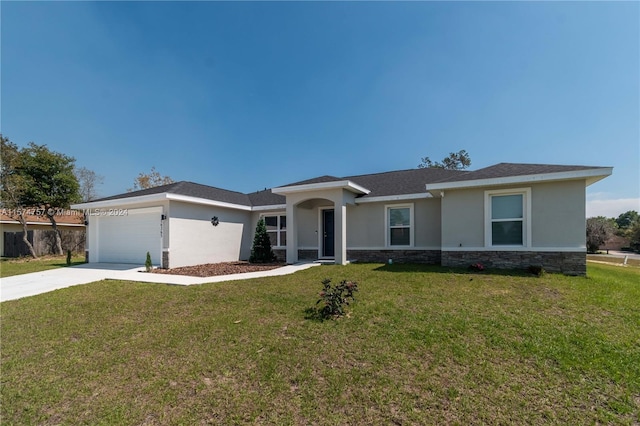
[{"x": 328, "y": 233}]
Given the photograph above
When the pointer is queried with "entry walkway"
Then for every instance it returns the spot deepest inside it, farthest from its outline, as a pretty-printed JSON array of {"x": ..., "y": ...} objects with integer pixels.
[{"x": 25, "y": 285}]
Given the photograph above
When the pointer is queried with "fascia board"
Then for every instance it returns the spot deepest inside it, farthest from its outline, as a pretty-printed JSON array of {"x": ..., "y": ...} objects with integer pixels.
[
  {"x": 393, "y": 198},
  {"x": 271, "y": 207},
  {"x": 206, "y": 202},
  {"x": 123, "y": 202},
  {"x": 344, "y": 184},
  {"x": 120, "y": 201},
  {"x": 592, "y": 175}
]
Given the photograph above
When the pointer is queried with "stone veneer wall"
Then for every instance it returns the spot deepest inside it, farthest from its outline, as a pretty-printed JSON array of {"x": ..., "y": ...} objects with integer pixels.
[
  {"x": 165, "y": 260},
  {"x": 398, "y": 256},
  {"x": 281, "y": 254},
  {"x": 568, "y": 263},
  {"x": 308, "y": 254}
]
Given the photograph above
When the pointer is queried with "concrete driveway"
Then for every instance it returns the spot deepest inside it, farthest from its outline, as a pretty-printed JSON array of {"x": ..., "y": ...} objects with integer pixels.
[{"x": 25, "y": 285}]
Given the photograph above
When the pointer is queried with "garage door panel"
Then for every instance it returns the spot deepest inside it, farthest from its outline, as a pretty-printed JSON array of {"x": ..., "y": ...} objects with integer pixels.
[{"x": 128, "y": 238}]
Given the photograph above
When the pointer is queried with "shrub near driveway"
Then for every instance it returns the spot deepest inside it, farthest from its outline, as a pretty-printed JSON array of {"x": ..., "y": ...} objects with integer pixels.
[{"x": 422, "y": 345}]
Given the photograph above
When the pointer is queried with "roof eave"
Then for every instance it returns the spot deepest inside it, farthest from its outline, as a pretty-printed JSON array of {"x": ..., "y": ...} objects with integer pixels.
[
  {"x": 340, "y": 184},
  {"x": 118, "y": 202},
  {"x": 145, "y": 199},
  {"x": 590, "y": 175},
  {"x": 398, "y": 197}
]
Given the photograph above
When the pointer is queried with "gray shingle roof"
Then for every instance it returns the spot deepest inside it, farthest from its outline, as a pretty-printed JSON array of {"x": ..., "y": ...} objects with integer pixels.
[
  {"x": 399, "y": 182},
  {"x": 266, "y": 198},
  {"x": 319, "y": 179},
  {"x": 402, "y": 182},
  {"x": 512, "y": 169},
  {"x": 189, "y": 189}
]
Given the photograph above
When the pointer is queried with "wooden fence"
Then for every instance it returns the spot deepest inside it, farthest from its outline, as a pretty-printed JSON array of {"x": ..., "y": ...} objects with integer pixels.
[{"x": 43, "y": 242}]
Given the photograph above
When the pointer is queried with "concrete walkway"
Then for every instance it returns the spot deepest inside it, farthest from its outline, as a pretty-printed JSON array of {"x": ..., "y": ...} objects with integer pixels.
[{"x": 25, "y": 285}]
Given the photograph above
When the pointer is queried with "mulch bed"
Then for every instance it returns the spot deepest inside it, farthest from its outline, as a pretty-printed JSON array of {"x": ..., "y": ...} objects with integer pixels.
[{"x": 224, "y": 268}]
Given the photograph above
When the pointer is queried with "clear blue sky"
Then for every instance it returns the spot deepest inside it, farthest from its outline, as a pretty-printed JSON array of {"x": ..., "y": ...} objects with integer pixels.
[{"x": 249, "y": 95}]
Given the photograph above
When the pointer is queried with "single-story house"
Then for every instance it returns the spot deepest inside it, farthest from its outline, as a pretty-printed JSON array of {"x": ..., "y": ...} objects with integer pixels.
[
  {"x": 68, "y": 222},
  {"x": 505, "y": 216}
]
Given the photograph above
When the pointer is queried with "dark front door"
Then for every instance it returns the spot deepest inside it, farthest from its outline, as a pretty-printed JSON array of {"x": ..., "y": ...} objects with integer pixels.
[{"x": 328, "y": 235}]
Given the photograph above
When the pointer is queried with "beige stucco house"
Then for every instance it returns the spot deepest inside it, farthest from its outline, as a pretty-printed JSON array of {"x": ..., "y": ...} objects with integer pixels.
[{"x": 505, "y": 216}]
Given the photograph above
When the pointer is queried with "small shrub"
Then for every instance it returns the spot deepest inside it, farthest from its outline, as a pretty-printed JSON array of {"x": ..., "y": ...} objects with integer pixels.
[
  {"x": 536, "y": 270},
  {"x": 68, "y": 257},
  {"x": 147, "y": 264},
  {"x": 335, "y": 298},
  {"x": 261, "y": 251},
  {"x": 477, "y": 267}
]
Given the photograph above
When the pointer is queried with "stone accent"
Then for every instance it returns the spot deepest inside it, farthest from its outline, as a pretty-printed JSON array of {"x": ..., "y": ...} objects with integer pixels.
[
  {"x": 307, "y": 254},
  {"x": 568, "y": 263},
  {"x": 165, "y": 260},
  {"x": 281, "y": 255},
  {"x": 431, "y": 257}
]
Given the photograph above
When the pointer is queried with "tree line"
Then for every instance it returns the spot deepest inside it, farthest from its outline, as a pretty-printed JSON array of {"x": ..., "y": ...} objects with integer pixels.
[{"x": 600, "y": 229}]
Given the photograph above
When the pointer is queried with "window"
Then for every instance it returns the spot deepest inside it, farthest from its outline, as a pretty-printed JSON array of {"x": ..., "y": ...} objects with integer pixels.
[
  {"x": 399, "y": 223},
  {"x": 507, "y": 213},
  {"x": 276, "y": 229}
]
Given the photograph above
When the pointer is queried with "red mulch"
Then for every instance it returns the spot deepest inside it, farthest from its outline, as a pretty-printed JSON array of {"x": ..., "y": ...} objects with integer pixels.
[{"x": 224, "y": 268}]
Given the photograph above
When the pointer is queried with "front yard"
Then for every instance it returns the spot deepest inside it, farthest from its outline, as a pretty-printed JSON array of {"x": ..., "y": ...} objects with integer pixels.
[
  {"x": 422, "y": 345},
  {"x": 25, "y": 265}
]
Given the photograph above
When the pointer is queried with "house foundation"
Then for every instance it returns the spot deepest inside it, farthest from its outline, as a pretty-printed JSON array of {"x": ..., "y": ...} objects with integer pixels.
[{"x": 568, "y": 263}]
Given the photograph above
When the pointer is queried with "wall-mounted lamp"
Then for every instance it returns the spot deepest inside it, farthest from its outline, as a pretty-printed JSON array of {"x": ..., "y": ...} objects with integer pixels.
[
  {"x": 215, "y": 221},
  {"x": 163, "y": 217},
  {"x": 86, "y": 223}
]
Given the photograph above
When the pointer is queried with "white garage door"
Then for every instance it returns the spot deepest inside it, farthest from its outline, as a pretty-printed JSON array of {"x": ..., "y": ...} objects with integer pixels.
[{"x": 126, "y": 238}]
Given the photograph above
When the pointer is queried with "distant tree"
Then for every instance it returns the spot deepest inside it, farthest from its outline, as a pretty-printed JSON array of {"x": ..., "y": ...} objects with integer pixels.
[
  {"x": 599, "y": 230},
  {"x": 150, "y": 180},
  {"x": 49, "y": 182},
  {"x": 88, "y": 180},
  {"x": 261, "y": 251},
  {"x": 12, "y": 188},
  {"x": 634, "y": 236},
  {"x": 455, "y": 161},
  {"x": 628, "y": 219}
]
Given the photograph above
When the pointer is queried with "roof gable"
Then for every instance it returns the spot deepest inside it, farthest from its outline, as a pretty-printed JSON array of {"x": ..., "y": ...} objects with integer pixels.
[
  {"x": 402, "y": 182},
  {"x": 187, "y": 189},
  {"x": 514, "y": 169}
]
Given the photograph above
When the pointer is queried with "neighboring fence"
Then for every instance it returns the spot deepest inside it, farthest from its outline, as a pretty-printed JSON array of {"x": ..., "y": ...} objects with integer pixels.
[{"x": 43, "y": 242}]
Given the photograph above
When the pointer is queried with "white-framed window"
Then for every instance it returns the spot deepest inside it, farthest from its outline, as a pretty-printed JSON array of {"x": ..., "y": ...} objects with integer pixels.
[
  {"x": 507, "y": 218},
  {"x": 399, "y": 225},
  {"x": 276, "y": 228}
]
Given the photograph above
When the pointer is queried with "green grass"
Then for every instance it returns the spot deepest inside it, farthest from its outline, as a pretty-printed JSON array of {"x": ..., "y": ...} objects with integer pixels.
[
  {"x": 422, "y": 345},
  {"x": 25, "y": 265}
]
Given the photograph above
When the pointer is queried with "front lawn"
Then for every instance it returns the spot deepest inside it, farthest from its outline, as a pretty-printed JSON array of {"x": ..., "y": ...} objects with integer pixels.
[
  {"x": 25, "y": 265},
  {"x": 422, "y": 345}
]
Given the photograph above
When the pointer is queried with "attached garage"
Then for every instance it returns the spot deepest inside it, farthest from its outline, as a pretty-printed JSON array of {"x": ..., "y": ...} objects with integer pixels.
[{"x": 125, "y": 236}]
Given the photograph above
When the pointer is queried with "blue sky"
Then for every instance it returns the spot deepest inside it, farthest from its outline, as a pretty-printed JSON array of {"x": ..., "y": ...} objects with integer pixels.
[{"x": 247, "y": 95}]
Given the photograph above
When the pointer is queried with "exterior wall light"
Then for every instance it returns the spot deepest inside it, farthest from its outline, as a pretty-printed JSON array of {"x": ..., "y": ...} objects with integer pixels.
[{"x": 215, "y": 221}]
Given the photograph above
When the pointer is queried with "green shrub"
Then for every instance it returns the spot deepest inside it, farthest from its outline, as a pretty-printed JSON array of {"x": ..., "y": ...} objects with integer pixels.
[
  {"x": 536, "y": 270},
  {"x": 261, "y": 251},
  {"x": 148, "y": 264},
  {"x": 335, "y": 298}
]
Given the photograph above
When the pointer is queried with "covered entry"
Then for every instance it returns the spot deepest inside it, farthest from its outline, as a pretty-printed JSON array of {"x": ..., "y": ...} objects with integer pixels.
[{"x": 330, "y": 199}]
